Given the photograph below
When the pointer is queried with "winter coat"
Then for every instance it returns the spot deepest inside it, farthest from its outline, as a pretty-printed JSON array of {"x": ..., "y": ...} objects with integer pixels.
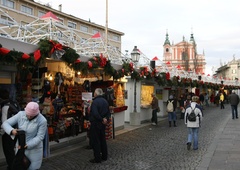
[
  {"x": 35, "y": 130},
  {"x": 154, "y": 103},
  {"x": 99, "y": 110},
  {"x": 221, "y": 97},
  {"x": 233, "y": 99},
  {"x": 197, "y": 111}
]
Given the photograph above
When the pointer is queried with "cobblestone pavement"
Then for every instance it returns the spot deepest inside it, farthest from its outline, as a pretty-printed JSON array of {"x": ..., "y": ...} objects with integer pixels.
[{"x": 143, "y": 149}]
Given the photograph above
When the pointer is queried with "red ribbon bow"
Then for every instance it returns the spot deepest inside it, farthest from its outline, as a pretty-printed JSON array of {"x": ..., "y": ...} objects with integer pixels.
[{"x": 56, "y": 46}]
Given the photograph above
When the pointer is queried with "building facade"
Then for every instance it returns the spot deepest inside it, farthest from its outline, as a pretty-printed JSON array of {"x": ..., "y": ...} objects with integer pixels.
[
  {"x": 25, "y": 12},
  {"x": 229, "y": 71},
  {"x": 183, "y": 55}
]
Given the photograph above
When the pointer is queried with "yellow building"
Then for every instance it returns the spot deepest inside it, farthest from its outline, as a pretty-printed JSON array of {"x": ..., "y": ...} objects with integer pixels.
[{"x": 25, "y": 12}]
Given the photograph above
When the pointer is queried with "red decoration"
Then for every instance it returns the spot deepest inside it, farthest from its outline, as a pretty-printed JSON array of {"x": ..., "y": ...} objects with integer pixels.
[
  {"x": 77, "y": 61},
  {"x": 37, "y": 55},
  {"x": 178, "y": 67},
  {"x": 90, "y": 64},
  {"x": 168, "y": 62},
  {"x": 56, "y": 46},
  {"x": 168, "y": 76},
  {"x": 25, "y": 56},
  {"x": 131, "y": 66},
  {"x": 103, "y": 60},
  {"x": 4, "y": 51}
]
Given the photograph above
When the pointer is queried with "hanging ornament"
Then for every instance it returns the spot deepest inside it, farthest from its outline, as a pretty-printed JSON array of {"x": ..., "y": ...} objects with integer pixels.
[
  {"x": 4, "y": 51},
  {"x": 37, "y": 55},
  {"x": 56, "y": 52},
  {"x": 103, "y": 61},
  {"x": 25, "y": 56},
  {"x": 77, "y": 61},
  {"x": 168, "y": 76},
  {"x": 90, "y": 64}
]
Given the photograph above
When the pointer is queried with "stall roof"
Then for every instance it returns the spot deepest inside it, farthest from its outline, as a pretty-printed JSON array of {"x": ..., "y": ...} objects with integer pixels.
[{"x": 17, "y": 45}]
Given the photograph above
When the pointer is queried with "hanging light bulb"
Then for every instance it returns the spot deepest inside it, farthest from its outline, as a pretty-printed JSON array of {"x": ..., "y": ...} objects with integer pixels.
[{"x": 50, "y": 77}]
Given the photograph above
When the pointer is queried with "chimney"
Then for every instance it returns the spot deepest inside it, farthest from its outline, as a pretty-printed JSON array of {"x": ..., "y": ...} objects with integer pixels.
[{"x": 60, "y": 7}]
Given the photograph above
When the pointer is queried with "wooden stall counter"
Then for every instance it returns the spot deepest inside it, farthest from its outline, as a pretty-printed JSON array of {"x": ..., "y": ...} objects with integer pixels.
[{"x": 118, "y": 114}]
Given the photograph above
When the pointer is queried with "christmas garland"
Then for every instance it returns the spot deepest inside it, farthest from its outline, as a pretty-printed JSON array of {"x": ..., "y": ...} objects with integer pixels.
[{"x": 54, "y": 50}]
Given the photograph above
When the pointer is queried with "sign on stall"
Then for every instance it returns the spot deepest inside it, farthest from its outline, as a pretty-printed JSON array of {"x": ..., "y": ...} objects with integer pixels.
[{"x": 86, "y": 96}]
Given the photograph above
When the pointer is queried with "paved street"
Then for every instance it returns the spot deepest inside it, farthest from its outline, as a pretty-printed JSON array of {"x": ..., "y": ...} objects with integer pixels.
[{"x": 144, "y": 149}]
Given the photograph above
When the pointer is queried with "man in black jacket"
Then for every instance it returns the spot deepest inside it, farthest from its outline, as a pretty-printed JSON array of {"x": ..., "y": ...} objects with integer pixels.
[
  {"x": 99, "y": 116},
  {"x": 234, "y": 100}
]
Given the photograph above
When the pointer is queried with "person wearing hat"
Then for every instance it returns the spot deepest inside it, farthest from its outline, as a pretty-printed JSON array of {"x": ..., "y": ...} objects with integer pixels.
[
  {"x": 234, "y": 100},
  {"x": 193, "y": 126},
  {"x": 35, "y": 125}
]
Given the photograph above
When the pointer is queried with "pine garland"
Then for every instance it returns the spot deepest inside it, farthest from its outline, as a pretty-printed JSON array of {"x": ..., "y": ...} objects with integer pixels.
[{"x": 27, "y": 63}]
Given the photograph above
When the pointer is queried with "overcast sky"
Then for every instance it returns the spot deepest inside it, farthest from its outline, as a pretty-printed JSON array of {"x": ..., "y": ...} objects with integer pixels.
[{"x": 214, "y": 23}]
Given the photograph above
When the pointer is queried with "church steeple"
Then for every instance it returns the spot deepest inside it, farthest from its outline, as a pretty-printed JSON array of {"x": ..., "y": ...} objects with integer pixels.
[
  {"x": 167, "y": 40},
  {"x": 192, "y": 40}
]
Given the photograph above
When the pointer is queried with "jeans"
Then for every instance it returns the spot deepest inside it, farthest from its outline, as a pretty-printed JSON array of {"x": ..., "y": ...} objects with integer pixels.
[
  {"x": 154, "y": 116},
  {"x": 193, "y": 134},
  {"x": 172, "y": 116},
  {"x": 234, "y": 110}
]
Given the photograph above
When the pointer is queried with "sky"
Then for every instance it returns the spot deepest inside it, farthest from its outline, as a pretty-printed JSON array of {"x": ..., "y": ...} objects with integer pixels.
[{"x": 215, "y": 24}]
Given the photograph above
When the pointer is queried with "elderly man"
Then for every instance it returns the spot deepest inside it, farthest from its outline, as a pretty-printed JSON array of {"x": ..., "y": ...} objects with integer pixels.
[
  {"x": 99, "y": 116},
  {"x": 234, "y": 100}
]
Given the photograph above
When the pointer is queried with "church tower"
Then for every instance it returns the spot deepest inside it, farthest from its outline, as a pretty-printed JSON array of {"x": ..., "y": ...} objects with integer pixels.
[{"x": 184, "y": 55}]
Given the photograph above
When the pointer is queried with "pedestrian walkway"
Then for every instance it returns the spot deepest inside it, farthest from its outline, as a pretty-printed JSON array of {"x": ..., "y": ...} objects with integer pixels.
[
  {"x": 224, "y": 151},
  {"x": 162, "y": 147}
]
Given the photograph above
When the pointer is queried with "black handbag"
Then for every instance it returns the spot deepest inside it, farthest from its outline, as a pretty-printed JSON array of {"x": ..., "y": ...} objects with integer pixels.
[{"x": 21, "y": 161}]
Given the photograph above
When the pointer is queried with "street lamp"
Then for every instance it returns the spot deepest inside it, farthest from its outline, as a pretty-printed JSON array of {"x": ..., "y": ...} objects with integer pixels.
[{"x": 135, "y": 117}]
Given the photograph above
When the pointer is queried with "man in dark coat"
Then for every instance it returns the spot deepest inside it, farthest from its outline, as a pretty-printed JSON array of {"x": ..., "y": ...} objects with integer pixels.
[
  {"x": 234, "y": 100},
  {"x": 99, "y": 116}
]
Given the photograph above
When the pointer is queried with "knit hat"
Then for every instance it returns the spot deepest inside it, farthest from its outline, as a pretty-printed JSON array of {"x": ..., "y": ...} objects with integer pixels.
[
  {"x": 32, "y": 109},
  {"x": 195, "y": 98},
  {"x": 171, "y": 97}
]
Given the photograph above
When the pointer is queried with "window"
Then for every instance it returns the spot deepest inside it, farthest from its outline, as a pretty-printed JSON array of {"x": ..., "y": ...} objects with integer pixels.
[
  {"x": 6, "y": 20},
  {"x": 40, "y": 13},
  {"x": 26, "y": 10},
  {"x": 95, "y": 31},
  {"x": 84, "y": 28},
  {"x": 233, "y": 71},
  {"x": 116, "y": 38},
  {"x": 72, "y": 25},
  {"x": 8, "y": 3},
  {"x": 61, "y": 20}
]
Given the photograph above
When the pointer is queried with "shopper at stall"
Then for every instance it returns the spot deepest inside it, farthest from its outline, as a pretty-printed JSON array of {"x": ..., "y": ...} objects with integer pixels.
[
  {"x": 58, "y": 105},
  {"x": 99, "y": 116},
  {"x": 155, "y": 107},
  {"x": 35, "y": 126}
]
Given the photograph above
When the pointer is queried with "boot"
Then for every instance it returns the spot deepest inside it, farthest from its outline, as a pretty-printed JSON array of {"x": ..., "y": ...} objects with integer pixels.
[
  {"x": 174, "y": 122},
  {"x": 170, "y": 124}
]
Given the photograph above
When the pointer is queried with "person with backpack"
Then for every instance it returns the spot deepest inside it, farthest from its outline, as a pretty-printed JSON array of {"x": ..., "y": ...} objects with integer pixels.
[
  {"x": 193, "y": 118},
  {"x": 171, "y": 107},
  {"x": 8, "y": 109}
]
